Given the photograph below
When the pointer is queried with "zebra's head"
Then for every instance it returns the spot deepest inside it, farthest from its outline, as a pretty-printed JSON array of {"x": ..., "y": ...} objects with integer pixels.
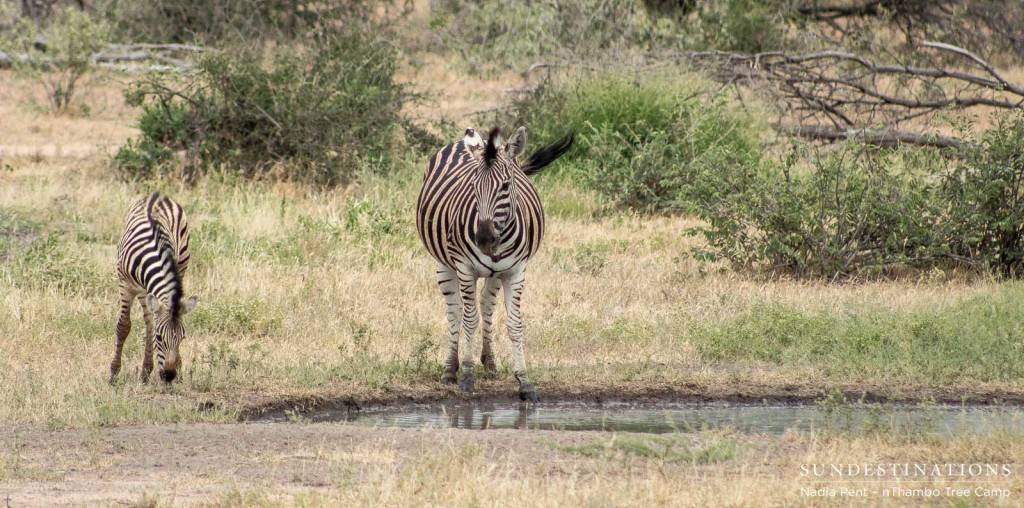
[
  {"x": 494, "y": 186},
  {"x": 168, "y": 334}
]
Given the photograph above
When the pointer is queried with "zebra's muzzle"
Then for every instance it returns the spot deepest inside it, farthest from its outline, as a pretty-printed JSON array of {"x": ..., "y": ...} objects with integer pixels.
[
  {"x": 170, "y": 368},
  {"x": 486, "y": 236}
]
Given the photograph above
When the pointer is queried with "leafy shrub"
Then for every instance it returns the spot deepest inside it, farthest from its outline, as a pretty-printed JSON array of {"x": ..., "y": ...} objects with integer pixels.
[
  {"x": 641, "y": 139},
  {"x": 859, "y": 210},
  {"x": 64, "y": 68},
  {"x": 747, "y": 26},
  {"x": 986, "y": 200},
  {"x": 494, "y": 33},
  {"x": 218, "y": 21},
  {"x": 323, "y": 111},
  {"x": 856, "y": 211}
]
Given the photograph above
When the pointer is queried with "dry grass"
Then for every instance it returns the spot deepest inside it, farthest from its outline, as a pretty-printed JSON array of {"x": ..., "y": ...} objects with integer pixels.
[{"x": 331, "y": 464}]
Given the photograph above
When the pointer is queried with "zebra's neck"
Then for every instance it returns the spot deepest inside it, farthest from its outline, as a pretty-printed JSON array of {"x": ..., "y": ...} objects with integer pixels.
[{"x": 163, "y": 280}]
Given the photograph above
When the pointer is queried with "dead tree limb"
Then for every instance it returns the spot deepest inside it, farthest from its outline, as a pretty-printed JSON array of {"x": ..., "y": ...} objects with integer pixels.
[
  {"x": 878, "y": 137},
  {"x": 117, "y": 56},
  {"x": 834, "y": 95}
]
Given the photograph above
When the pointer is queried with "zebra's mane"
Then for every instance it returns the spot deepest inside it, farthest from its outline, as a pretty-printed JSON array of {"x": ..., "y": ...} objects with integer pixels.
[
  {"x": 166, "y": 253},
  {"x": 491, "y": 149}
]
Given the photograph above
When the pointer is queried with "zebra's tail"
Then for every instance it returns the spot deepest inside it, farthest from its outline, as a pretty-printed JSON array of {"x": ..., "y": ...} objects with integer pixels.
[{"x": 548, "y": 154}]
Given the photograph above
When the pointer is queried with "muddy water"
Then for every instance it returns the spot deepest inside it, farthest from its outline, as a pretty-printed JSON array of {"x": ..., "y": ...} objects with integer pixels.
[{"x": 662, "y": 418}]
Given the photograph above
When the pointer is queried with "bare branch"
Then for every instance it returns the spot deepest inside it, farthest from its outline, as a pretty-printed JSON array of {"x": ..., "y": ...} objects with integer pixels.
[
  {"x": 888, "y": 137},
  {"x": 859, "y": 96}
]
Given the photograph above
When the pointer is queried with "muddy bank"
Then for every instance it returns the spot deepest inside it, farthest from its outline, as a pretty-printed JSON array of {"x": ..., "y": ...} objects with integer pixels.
[{"x": 257, "y": 408}]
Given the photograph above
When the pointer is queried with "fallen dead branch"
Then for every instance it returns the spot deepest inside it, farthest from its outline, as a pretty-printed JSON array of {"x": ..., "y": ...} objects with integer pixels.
[
  {"x": 165, "y": 57},
  {"x": 833, "y": 95}
]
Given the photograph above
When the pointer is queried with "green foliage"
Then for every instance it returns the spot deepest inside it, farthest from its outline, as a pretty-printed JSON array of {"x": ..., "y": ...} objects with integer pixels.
[
  {"x": 861, "y": 211},
  {"x": 218, "y": 21},
  {"x": 641, "y": 140},
  {"x": 65, "y": 67},
  {"x": 314, "y": 115},
  {"x": 492, "y": 33},
  {"x": 856, "y": 211},
  {"x": 746, "y": 26},
  {"x": 986, "y": 200}
]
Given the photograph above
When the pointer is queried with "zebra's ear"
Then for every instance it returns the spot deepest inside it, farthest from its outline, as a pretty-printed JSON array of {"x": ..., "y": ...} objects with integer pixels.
[
  {"x": 153, "y": 302},
  {"x": 190, "y": 305},
  {"x": 517, "y": 143}
]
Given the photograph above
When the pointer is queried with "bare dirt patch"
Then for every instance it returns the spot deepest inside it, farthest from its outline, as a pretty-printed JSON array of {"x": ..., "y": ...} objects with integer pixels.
[{"x": 189, "y": 464}]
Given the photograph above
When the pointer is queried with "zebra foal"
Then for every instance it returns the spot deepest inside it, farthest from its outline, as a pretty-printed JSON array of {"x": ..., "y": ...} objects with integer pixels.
[
  {"x": 151, "y": 258},
  {"x": 480, "y": 217}
]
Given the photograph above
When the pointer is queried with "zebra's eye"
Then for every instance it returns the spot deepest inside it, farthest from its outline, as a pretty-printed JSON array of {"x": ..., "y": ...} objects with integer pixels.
[{"x": 505, "y": 186}]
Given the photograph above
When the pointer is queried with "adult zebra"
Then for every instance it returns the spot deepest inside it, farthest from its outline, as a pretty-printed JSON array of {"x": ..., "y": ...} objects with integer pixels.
[
  {"x": 151, "y": 258},
  {"x": 480, "y": 217}
]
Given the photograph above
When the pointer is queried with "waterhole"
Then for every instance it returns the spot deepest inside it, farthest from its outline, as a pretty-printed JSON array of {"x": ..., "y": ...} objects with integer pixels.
[{"x": 663, "y": 418}]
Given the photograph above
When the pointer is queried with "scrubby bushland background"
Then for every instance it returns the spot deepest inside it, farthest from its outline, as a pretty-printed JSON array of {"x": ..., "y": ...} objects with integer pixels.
[{"x": 308, "y": 92}]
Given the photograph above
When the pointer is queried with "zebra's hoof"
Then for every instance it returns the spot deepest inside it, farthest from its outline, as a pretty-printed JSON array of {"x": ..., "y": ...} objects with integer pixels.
[
  {"x": 466, "y": 384},
  {"x": 448, "y": 378},
  {"x": 527, "y": 393}
]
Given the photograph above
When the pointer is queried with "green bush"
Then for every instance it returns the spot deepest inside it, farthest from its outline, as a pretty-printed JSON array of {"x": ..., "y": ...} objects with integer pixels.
[
  {"x": 858, "y": 210},
  {"x": 747, "y": 26},
  {"x": 641, "y": 139},
  {"x": 66, "y": 66},
  {"x": 493, "y": 34},
  {"x": 214, "y": 22},
  {"x": 313, "y": 115},
  {"x": 986, "y": 200}
]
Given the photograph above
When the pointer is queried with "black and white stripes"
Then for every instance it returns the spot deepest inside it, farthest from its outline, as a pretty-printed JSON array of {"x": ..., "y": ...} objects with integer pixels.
[
  {"x": 480, "y": 217},
  {"x": 152, "y": 256}
]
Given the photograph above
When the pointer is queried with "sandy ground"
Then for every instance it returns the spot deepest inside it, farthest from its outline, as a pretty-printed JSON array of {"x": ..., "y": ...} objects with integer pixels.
[{"x": 197, "y": 464}]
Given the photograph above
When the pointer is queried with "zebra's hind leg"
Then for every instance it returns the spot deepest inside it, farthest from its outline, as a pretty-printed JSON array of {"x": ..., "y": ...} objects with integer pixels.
[
  {"x": 513, "y": 286},
  {"x": 448, "y": 283},
  {"x": 124, "y": 327},
  {"x": 147, "y": 356},
  {"x": 470, "y": 320},
  {"x": 487, "y": 300}
]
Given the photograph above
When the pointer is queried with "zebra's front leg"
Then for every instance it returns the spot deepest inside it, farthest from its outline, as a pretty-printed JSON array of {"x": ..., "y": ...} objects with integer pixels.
[
  {"x": 487, "y": 301},
  {"x": 470, "y": 320},
  {"x": 147, "y": 356},
  {"x": 448, "y": 283},
  {"x": 124, "y": 327},
  {"x": 513, "y": 286}
]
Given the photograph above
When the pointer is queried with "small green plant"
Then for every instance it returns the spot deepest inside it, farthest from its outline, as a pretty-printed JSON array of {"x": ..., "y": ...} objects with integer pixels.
[
  {"x": 296, "y": 417},
  {"x": 675, "y": 448},
  {"x": 67, "y": 66}
]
